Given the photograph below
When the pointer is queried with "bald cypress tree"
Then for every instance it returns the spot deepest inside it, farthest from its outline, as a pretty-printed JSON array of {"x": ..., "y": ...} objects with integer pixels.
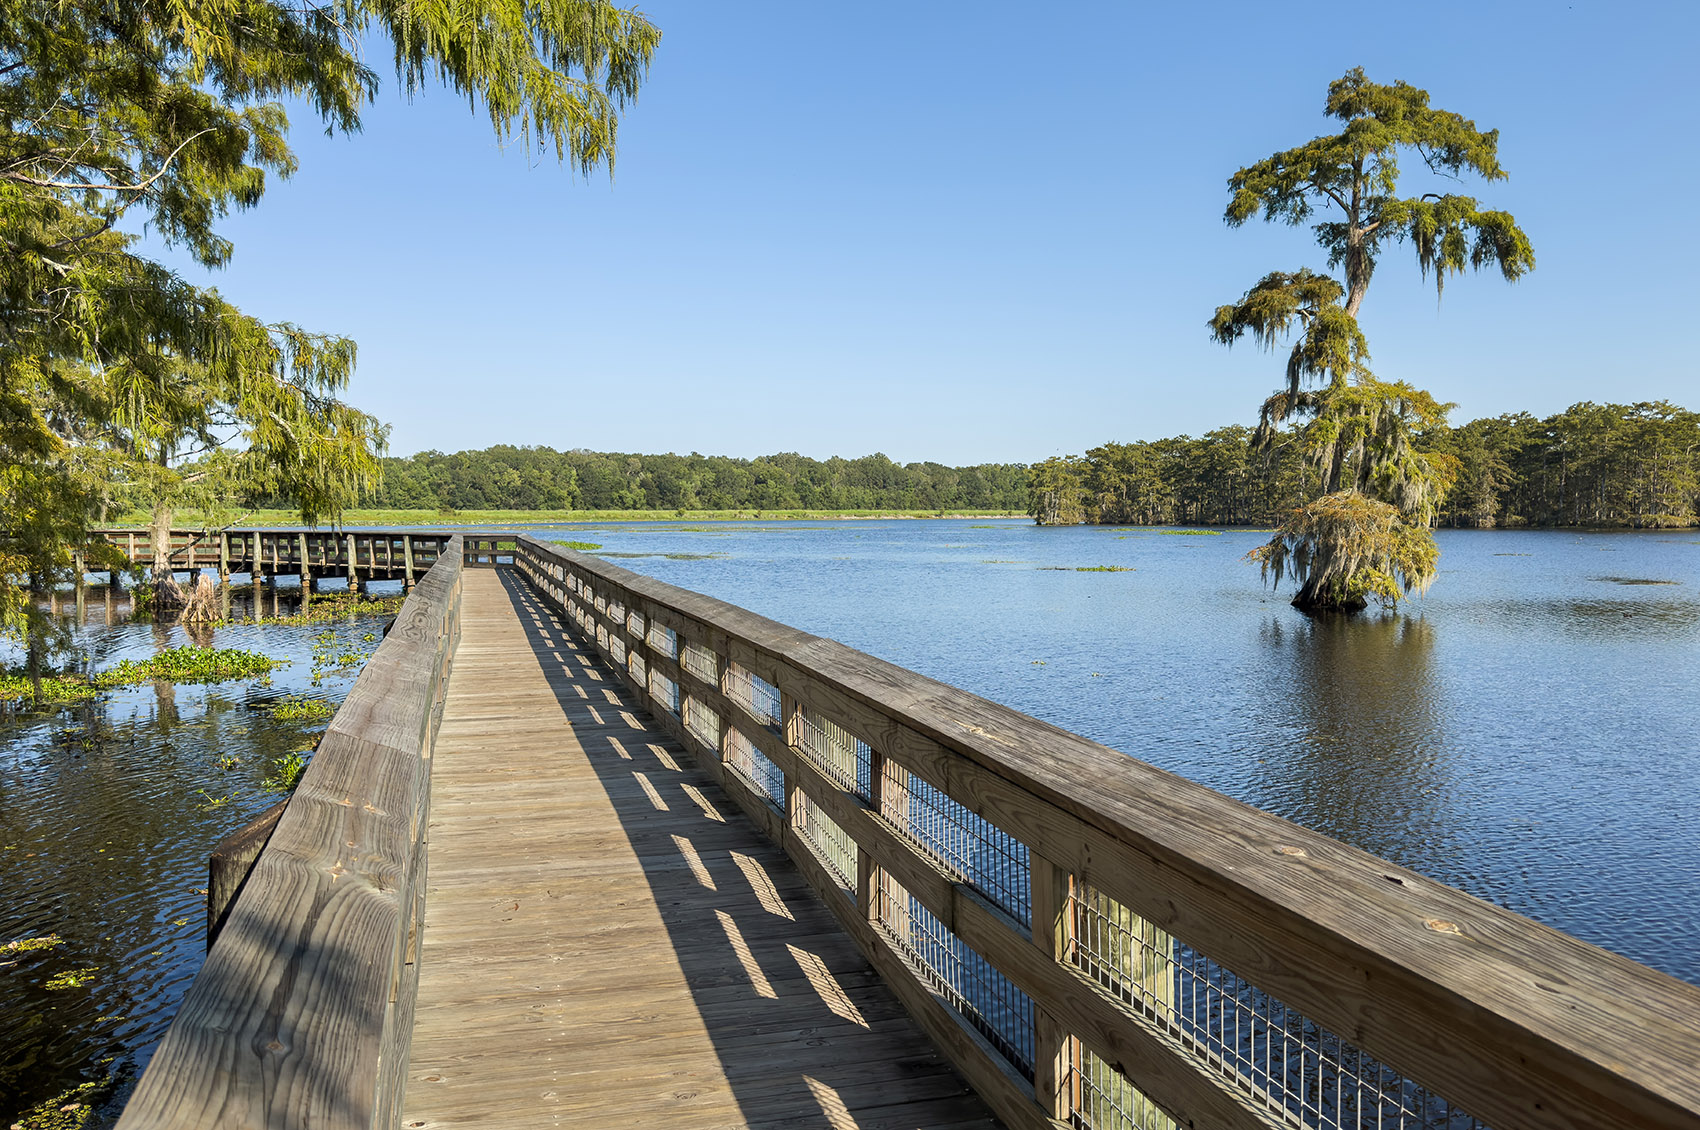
[
  {"x": 1368, "y": 536},
  {"x": 114, "y": 115}
]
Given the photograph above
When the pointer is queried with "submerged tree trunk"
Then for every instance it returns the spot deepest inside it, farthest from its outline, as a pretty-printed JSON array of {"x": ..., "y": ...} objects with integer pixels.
[{"x": 167, "y": 593}]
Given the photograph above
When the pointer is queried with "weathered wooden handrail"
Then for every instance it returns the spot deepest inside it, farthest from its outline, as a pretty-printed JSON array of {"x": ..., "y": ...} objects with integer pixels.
[
  {"x": 1099, "y": 943},
  {"x": 303, "y": 1012}
]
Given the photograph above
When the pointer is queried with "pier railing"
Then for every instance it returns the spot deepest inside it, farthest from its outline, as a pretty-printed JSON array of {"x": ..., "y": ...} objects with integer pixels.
[
  {"x": 303, "y": 1012},
  {"x": 1097, "y": 943},
  {"x": 360, "y": 554}
]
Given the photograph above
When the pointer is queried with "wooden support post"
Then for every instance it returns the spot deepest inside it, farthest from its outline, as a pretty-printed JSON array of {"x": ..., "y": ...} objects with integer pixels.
[
  {"x": 131, "y": 553},
  {"x": 306, "y": 568},
  {"x": 1053, "y": 1049},
  {"x": 407, "y": 560},
  {"x": 112, "y": 579},
  {"x": 223, "y": 558},
  {"x": 353, "y": 576}
]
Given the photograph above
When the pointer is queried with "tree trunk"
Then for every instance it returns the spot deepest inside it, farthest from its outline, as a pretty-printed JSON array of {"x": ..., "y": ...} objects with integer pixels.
[{"x": 167, "y": 593}]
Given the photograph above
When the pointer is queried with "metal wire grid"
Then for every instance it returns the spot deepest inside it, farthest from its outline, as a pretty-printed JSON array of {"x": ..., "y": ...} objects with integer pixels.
[
  {"x": 982, "y": 854},
  {"x": 753, "y": 767},
  {"x": 634, "y": 624},
  {"x": 663, "y": 640},
  {"x": 601, "y": 636},
  {"x": 1290, "y": 1064},
  {"x": 702, "y": 723},
  {"x": 664, "y": 691},
  {"x": 601, "y": 602},
  {"x": 699, "y": 661},
  {"x": 1102, "y": 1098},
  {"x": 637, "y": 669},
  {"x": 753, "y": 693},
  {"x": 985, "y": 997},
  {"x": 838, "y": 753},
  {"x": 616, "y": 610},
  {"x": 832, "y": 844},
  {"x": 615, "y": 645}
]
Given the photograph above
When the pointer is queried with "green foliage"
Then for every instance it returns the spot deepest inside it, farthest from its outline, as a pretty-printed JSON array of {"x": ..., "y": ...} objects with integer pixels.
[
  {"x": 331, "y": 606},
  {"x": 539, "y": 478},
  {"x": 189, "y": 664},
  {"x": 71, "y": 978},
  {"x": 1358, "y": 431},
  {"x": 1348, "y": 549},
  {"x": 1357, "y": 172},
  {"x": 286, "y": 773},
  {"x": 1057, "y": 492},
  {"x": 1103, "y": 569},
  {"x": 31, "y": 945},
  {"x": 68, "y": 1110},
  {"x": 303, "y": 710},
  {"x": 583, "y": 546},
  {"x": 56, "y": 689},
  {"x": 121, "y": 382}
]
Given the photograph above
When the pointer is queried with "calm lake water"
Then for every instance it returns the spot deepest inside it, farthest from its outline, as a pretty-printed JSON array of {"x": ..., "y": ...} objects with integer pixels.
[
  {"x": 1527, "y": 731},
  {"x": 107, "y": 814}
]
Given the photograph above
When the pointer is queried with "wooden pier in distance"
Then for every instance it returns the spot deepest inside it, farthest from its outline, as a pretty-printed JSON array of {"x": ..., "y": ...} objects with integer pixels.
[{"x": 584, "y": 849}]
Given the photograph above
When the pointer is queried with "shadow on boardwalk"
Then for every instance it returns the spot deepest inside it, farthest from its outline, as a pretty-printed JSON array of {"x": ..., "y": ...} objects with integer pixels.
[{"x": 609, "y": 941}]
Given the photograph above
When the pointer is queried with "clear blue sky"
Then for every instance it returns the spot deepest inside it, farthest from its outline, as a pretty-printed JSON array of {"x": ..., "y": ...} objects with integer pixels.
[{"x": 977, "y": 231}]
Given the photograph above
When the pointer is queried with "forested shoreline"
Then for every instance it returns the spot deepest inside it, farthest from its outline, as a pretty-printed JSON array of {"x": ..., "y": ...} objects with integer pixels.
[
  {"x": 1605, "y": 465},
  {"x": 540, "y": 478},
  {"x": 1592, "y": 465}
]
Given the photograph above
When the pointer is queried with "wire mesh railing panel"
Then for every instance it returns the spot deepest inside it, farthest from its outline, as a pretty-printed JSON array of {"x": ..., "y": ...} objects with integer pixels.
[
  {"x": 1287, "y": 1063},
  {"x": 700, "y": 661},
  {"x": 832, "y": 844},
  {"x": 1102, "y": 1098},
  {"x": 664, "y": 692},
  {"x": 616, "y": 610},
  {"x": 601, "y": 636},
  {"x": 637, "y": 669},
  {"x": 664, "y": 641},
  {"x": 985, "y": 997},
  {"x": 634, "y": 624},
  {"x": 702, "y": 723},
  {"x": 980, "y": 853},
  {"x": 836, "y": 752},
  {"x": 753, "y": 693},
  {"x": 616, "y": 646},
  {"x": 753, "y": 766}
]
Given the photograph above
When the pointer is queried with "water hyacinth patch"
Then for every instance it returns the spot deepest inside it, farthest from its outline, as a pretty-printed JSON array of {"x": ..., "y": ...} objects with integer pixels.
[{"x": 190, "y": 664}]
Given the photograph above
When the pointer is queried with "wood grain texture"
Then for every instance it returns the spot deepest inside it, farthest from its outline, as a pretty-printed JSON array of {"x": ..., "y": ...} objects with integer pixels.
[
  {"x": 1515, "y": 1022},
  {"x": 293, "y": 1019},
  {"x": 608, "y": 943}
]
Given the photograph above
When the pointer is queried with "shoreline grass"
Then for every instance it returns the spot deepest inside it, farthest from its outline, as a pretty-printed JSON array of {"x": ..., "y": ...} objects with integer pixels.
[{"x": 260, "y": 519}]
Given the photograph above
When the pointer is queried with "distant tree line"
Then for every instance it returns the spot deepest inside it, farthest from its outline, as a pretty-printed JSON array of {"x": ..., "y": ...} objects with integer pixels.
[
  {"x": 540, "y": 478},
  {"x": 1629, "y": 465}
]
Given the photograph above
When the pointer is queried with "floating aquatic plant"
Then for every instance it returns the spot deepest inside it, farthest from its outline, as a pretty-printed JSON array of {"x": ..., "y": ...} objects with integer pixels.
[{"x": 189, "y": 664}]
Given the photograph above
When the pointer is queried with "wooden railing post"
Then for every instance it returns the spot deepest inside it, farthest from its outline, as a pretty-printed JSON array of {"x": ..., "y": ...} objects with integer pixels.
[
  {"x": 1049, "y": 888},
  {"x": 306, "y": 569}
]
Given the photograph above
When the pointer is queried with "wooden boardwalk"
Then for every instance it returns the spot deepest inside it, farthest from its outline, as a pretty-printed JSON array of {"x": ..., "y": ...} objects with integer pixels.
[{"x": 608, "y": 942}]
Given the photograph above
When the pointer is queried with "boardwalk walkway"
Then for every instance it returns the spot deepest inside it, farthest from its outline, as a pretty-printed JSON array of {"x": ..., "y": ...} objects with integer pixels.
[{"x": 609, "y": 943}]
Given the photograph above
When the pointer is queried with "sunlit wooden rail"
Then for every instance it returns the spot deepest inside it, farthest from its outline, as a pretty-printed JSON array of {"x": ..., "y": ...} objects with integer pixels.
[
  {"x": 1090, "y": 941},
  {"x": 1094, "y": 941},
  {"x": 359, "y": 555}
]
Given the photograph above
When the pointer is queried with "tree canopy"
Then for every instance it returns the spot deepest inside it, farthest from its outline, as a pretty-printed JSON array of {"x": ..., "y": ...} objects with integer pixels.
[
  {"x": 166, "y": 115},
  {"x": 1366, "y": 537}
]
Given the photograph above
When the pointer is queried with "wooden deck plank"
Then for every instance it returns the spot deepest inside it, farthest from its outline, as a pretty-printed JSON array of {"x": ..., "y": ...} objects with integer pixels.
[{"x": 609, "y": 942}]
